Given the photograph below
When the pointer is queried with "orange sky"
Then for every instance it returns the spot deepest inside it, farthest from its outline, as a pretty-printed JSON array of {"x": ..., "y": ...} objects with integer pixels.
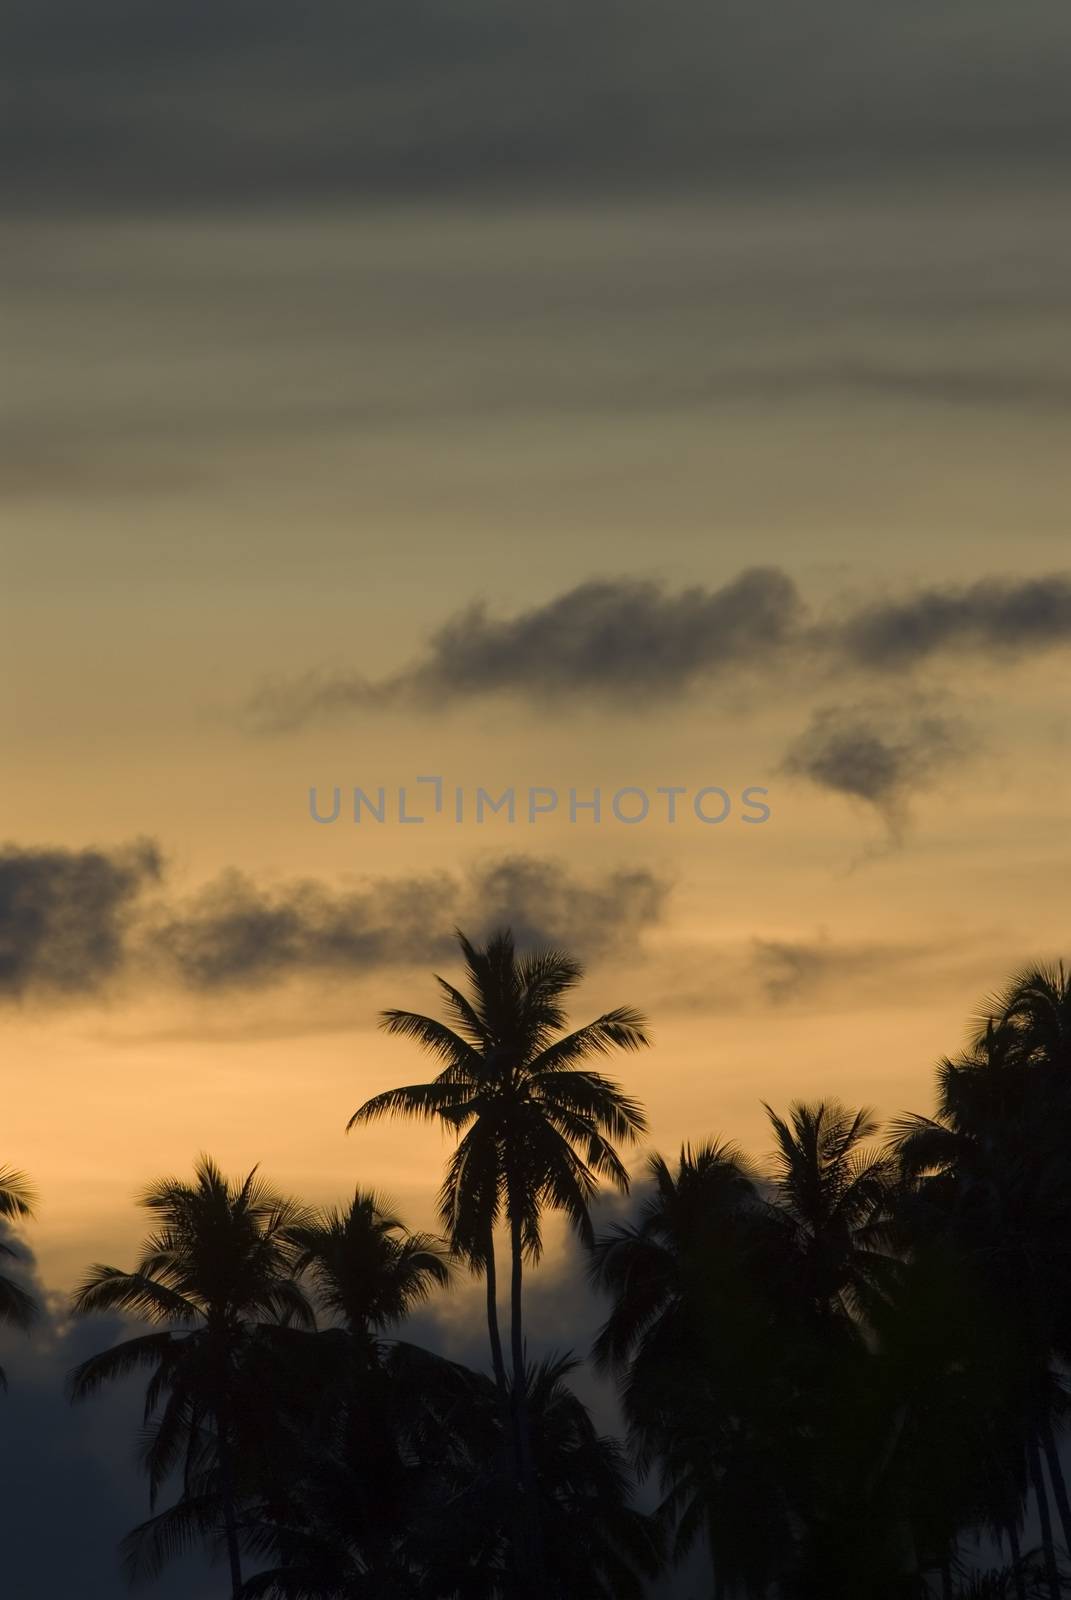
[{"x": 254, "y": 452}]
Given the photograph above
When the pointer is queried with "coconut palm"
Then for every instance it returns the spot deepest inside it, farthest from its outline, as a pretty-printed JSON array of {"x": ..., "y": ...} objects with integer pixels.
[
  {"x": 447, "y": 1516},
  {"x": 735, "y": 1330},
  {"x": 535, "y": 1123},
  {"x": 598, "y": 1543},
  {"x": 368, "y": 1272},
  {"x": 334, "y": 1478},
  {"x": 217, "y": 1271},
  {"x": 699, "y": 1350},
  {"x": 18, "y": 1308},
  {"x": 989, "y": 1173},
  {"x": 832, "y": 1196},
  {"x": 1035, "y": 1009}
]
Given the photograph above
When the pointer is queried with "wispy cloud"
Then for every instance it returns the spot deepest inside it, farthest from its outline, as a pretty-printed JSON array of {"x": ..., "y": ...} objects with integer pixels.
[
  {"x": 878, "y": 753},
  {"x": 614, "y": 639},
  {"x": 75, "y": 923}
]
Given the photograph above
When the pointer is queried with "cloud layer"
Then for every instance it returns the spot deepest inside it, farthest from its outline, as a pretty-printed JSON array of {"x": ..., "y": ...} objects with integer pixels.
[
  {"x": 73, "y": 922},
  {"x": 153, "y": 105}
]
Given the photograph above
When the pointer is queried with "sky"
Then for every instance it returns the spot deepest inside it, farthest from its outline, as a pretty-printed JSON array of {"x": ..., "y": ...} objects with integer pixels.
[{"x": 600, "y": 398}]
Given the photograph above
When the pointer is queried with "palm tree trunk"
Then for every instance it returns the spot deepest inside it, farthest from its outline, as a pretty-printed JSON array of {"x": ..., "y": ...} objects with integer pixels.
[
  {"x": 516, "y": 1305},
  {"x": 1052, "y": 1576},
  {"x": 1017, "y": 1561},
  {"x": 230, "y": 1519},
  {"x": 494, "y": 1334},
  {"x": 537, "y": 1577},
  {"x": 1056, "y": 1478},
  {"x": 516, "y": 1332}
]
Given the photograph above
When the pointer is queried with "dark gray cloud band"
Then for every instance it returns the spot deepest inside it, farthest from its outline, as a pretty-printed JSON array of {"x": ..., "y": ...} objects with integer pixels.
[
  {"x": 126, "y": 104},
  {"x": 74, "y": 923},
  {"x": 622, "y": 639}
]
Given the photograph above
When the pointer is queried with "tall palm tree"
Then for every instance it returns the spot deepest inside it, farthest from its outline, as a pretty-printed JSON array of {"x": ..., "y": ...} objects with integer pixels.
[
  {"x": 217, "y": 1269},
  {"x": 535, "y": 1122},
  {"x": 18, "y": 1308}
]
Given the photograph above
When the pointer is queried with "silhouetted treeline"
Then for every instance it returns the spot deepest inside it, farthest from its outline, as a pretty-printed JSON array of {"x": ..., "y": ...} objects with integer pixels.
[{"x": 838, "y": 1369}]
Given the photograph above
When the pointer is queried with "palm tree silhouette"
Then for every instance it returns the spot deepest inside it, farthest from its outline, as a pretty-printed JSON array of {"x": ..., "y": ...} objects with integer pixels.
[
  {"x": 534, "y": 1122},
  {"x": 18, "y": 1308},
  {"x": 367, "y": 1271},
  {"x": 337, "y": 1469},
  {"x": 989, "y": 1173},
  {"x": 736, "y": 1331},
  {"x": 832, "y": 1195},
  {"x": 218, "y": 1267},
  {"x": 699, "y": 1353}
]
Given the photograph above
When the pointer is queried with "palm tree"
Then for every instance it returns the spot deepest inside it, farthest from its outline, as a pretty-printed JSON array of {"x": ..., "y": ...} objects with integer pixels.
[
  {"x": 699, "y": 1353},
  {"x": 832, "y": 1196},
  {"x": 217, "y": 1270},
  {"x": 367, "y": 1270},
  {"x": 446, "y": 1510},
  {"x": 18, "y": 1309},
  {"x": 337, "y": 1478},
  {"x": 989, "y": 1173},
  {"x": 534, "y": 1121},
  {"x": 598, "y": 1543},
  {"x": 735, "y": 1330},
  {"x": 1035, "y": 1009}
]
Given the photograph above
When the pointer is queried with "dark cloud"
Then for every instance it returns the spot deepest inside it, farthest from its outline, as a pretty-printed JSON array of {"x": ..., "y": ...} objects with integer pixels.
[
  {"x": 876, "y": 753},
  {"x": 616, "y": 637},
  {"x": 127, "y": 104},
  {"x": 546, "y": 904},
  {"x": 71, "y": 922},
  {"x": 234, "y": 933},
  {"x": 627, "y": 640},
  {"x": 995, "y": 614},
  {"x": 64, "y": 915}
]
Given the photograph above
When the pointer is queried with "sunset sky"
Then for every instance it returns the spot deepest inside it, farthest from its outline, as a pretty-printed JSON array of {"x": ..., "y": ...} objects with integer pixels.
[{"x": 608, "y": 396}]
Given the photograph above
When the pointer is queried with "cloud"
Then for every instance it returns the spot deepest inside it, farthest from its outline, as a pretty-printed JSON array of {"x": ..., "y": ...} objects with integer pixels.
[
  {"x": 790, "y": 970},
  {"x": 876, "y": 753},
  {"x": 72, "y": 923},
  {"x": 64, "y": 915},
  {"x": 614, "y": 638},
  {"x": 625, "y": 640},
  {"x": 236, "y": 934},
  {"x": 153, "y": 106},
  {"x": 1012, "y": 616}
]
